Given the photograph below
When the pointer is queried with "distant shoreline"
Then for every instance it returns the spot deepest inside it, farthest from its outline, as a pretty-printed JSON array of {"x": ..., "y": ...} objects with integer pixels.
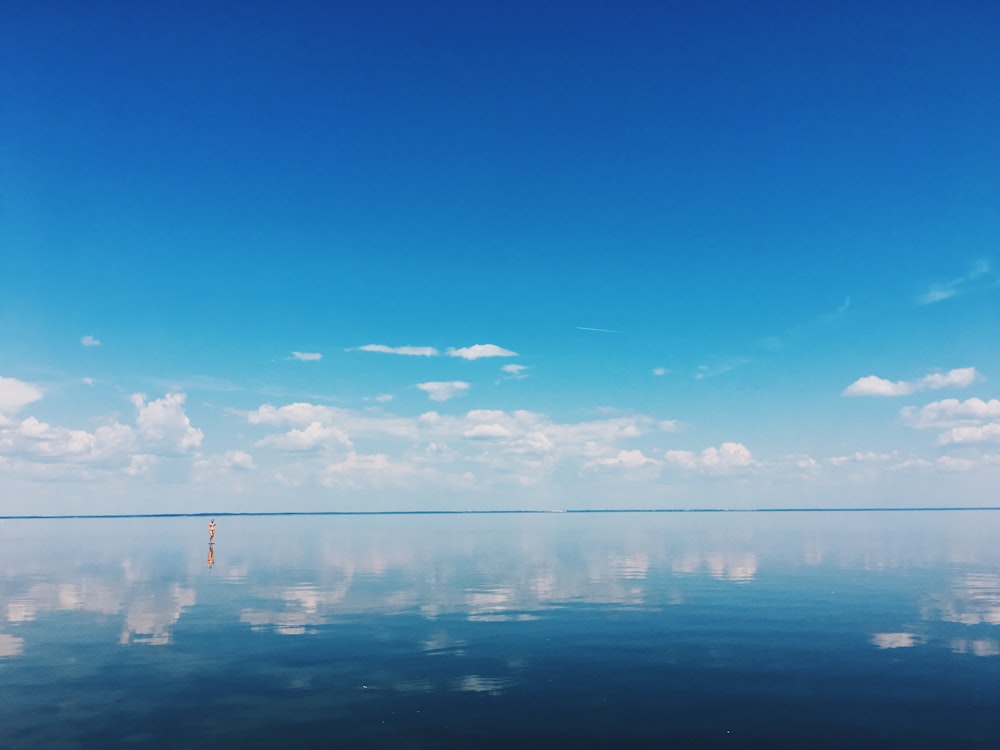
[{"x": 494, "y": 512}]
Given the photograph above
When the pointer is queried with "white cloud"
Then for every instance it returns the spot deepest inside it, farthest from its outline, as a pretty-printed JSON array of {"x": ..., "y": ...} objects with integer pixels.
[
  {"x": 163, "y": 424},
  {"x": 314, "y": 436},
  {"x": 478, "y": 351},
  {"x": 15, "y": 394},
  {"x": 969, "y": 421},
  {"x": 713, "y": 460},
  {"x": 872, "y": 385},
  {"x": 950, "y": 413},
  {"x": 504, "y": 447},
  {"x": 660, "y": 371},
  {"x": 860, "y": 457},
  {"x": 975, "y": 434},
  {"x": 89, "y": 340},
  {"x": 39, "y": 440},
  {"x": 408, "y": 351},
  {"x": 487, "y": 432},
  {"x": 949, "y": 463},
  {"x": 141, "y": 463},
  {"x": 627, "y": 459},
  {"x": 307, "y": 356},
  {"x": 442, "y": 391},
  {"x": 238, "y": 460}
]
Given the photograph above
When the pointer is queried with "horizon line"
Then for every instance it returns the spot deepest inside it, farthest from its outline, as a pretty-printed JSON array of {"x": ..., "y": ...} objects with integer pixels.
[{"x": 227, "y": 514}]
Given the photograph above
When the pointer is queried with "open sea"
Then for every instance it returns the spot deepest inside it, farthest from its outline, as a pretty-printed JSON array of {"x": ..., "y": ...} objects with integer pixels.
[{"x": 719, "y": 630}]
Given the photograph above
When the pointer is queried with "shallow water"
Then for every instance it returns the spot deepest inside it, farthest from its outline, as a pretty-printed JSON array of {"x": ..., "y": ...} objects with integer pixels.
[{"x": 862, "y": 629}]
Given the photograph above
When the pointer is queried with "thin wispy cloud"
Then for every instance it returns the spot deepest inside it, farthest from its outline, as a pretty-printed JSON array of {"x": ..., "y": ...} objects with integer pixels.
[
  {"x": 721, "y": 368},
  {"x": 479, "y": 351},
  {"x": 405, "y": 351},
  {"x": 596, "y": 330},
  {"x": 952, "y": 288},
  {"x": 89, "y": 340},
  {"x": 839, "y": 312},
  {"x": 307, "y": 356},
  {"x": 872, "y": 385},
  {"x": 442, "y": 391},
  {"x": 515, "y": 372},
  {"x": 660, "y": 371}
]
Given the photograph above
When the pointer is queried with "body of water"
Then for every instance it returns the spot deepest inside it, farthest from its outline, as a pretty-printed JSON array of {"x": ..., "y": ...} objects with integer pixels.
[{"x": 823, "y": 629}]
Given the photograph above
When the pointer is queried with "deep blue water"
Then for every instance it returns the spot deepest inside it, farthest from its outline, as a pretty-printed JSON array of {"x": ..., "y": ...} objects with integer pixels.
[{"x": 866, "y": 629}]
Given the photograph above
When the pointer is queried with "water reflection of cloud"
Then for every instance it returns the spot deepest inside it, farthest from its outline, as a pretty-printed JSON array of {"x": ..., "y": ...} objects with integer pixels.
[
  {"x": 895, "y": 640},
  {"x": 477, "y": 684},
  {"x": 10, "y": 645},
  {"x": 148, "y": 620},
  {"x": 442, "y": 643},
  {"x": 303, "y": 607},
  {"x": 739, "y": 568},
  {"x": 976, "y": 647},
  {"x": 973, "y": 600},
  {"x": 635, "y": 565}
]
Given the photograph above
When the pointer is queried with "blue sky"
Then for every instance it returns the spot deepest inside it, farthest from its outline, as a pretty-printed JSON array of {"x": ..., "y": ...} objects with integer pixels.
[{"x": 659, "y": 255}]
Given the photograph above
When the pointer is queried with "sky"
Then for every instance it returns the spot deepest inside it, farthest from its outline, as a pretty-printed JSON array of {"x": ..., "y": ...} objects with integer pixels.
[{"x": 498, "y": 255}]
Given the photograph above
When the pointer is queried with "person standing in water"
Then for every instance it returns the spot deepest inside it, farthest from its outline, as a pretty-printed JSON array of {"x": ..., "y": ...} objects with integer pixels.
[{"x": 211, "y": 531}]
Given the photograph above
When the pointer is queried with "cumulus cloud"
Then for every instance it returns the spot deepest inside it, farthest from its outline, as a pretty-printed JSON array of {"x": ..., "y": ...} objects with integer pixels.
[
  {"x": 406, "y": 351},
  {"x": 520, "y": 447},
  {"x": 974, "y": 434},
  {"x": 961, "y": 422},
  {"x": 872, "y": 385},
  {"x": 163, "y": 424},
  {"x": 950, "y": 413},
  {"x": 89, "y": 340},
  {"x": 313, "y": 437},
  {"x": 478, "y": 351},
  {"x": 442, "y": 391},
  {"x": 39, "y": 440},
  {"x": 15, "y": 394},
  {"x": 238, "y": 460},
  {"x": 726, "y": 457},
  {"x": 307, "y": 356}
]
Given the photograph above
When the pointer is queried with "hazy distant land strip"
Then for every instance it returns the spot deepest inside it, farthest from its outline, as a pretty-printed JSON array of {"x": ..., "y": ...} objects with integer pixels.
[{"x": 873, "y": 509}]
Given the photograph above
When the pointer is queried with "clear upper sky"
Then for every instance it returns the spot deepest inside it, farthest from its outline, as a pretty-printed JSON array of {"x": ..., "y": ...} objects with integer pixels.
[{"x": 395, "y": 255}]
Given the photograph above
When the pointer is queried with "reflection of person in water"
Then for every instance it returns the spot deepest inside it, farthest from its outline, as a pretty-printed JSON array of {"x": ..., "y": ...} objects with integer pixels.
[
  {"x": 211, "y": 555},
  {"x": 211, "y": 531}
]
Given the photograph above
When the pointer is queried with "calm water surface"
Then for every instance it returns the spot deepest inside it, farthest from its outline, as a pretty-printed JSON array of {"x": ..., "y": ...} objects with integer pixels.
[{"x": 871, "y": 629}]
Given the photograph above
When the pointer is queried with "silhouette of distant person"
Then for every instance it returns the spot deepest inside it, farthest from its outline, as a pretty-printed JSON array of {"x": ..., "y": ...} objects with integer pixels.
[
  {"x": 211, "y": 555},
  {"x": 211, "y": 531}
]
